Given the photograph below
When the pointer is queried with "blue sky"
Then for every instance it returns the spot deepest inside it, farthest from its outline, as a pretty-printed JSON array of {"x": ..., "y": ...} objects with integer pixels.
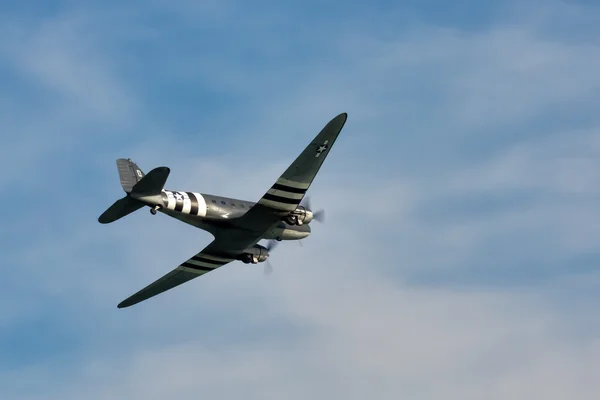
[{"x": 462, "y": 236}]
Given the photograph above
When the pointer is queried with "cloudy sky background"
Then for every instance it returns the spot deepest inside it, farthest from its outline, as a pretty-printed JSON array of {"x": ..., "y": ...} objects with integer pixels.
[{"x": 459, "y": 258}]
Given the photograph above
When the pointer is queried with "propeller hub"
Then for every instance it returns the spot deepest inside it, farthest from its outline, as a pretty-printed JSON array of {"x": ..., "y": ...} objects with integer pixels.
[{"x": 308, "y": 216}]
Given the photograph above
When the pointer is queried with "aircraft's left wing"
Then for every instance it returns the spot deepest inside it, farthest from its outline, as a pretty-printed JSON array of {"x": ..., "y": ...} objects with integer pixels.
[
  {"x": 219, "y": 252},
  {"x": 287, "y": 193}
]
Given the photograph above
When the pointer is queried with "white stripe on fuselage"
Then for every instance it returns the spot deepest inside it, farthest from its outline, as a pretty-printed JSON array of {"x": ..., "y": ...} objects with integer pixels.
[
  {"x": 172, "y": 202},
  {"x": 201, "y": 204},
  {"x": 187, "y": 203}
]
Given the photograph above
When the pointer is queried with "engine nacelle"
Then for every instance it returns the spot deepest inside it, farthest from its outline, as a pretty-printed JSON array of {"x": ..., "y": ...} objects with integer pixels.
[
  {"x": 254, "y": 254},
  {"x": 299, "y": 216}
]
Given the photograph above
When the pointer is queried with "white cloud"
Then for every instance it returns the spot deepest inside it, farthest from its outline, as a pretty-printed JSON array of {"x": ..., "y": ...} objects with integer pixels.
[{"x": 364, "y": 335}]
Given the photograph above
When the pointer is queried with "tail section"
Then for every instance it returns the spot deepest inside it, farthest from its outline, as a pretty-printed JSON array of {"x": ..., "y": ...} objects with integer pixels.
[
  {"x": 141, "y": 190},
  {"x": 129, "y": 173},
  {"x": 119, "y": 209},
  {"x": 151, "y": 184}
]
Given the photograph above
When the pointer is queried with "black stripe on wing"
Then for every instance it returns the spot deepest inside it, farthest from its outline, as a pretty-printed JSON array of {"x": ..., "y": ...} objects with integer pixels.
[
  {"x": 272, "y": 197},
  {"x": 197, "y": 267},
  {"x": 286, "y": 188}
]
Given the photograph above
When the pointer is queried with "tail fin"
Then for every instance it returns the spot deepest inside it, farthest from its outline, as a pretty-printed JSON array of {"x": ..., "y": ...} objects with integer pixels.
[
  {"x": 137, "y": 185},
  {"x": 129, "y": 173}
]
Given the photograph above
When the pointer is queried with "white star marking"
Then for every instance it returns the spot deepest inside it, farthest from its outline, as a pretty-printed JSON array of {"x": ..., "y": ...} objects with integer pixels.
[{"x": 321, "y": 148}]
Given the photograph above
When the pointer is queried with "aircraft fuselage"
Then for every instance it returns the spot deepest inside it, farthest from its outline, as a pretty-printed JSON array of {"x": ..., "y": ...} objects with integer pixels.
[{"x": 211, "y": 213}]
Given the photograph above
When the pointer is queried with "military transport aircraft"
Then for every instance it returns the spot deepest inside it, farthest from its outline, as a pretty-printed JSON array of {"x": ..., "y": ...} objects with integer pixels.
[{"x": 237, "y": 225}]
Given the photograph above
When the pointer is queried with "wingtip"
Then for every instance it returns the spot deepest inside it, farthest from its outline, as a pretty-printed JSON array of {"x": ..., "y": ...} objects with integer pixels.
[
  {"x": 125, "y": 303},
  {"x": 342, "y": 118},
  {"x": 128, "y": 303}
]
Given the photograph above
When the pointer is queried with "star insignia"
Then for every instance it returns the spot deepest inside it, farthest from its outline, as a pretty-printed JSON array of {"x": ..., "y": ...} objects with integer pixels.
[
  {"x": 322, "y": 148},
  {"x": 178, "y": 196}
]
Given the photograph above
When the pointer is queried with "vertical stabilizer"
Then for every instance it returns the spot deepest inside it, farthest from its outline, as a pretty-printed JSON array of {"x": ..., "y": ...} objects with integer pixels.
[
  {"x": 129, "y": 173},
  {"x": 140, "y": 189}
]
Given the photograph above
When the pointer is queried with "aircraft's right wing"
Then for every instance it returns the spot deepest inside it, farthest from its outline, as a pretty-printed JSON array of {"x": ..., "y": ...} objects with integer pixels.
[
  {"x": 213, "y": 256},
  {"x": 228, "y": 244},
  {"x": 205, "y": 261}
]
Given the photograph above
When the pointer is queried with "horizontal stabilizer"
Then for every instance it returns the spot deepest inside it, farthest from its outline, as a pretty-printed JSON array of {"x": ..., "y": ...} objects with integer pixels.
[
  {"x": 119, "y": 209},
  {"x": 152, "y": 183}
]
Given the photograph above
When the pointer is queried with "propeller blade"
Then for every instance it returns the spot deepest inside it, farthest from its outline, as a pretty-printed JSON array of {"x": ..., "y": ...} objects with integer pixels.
[
  {"x": 306, "y": 201},
  {"x": 271, "y": 245},
  {"x": 268, "y": 268},
  {"x": 319, "y": 216}
]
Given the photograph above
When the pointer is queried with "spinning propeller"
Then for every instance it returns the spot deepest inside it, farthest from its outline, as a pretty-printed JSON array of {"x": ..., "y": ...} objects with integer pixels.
[
  {"x": 317, "y": 215},
  {"x": 270, "y": 246}
]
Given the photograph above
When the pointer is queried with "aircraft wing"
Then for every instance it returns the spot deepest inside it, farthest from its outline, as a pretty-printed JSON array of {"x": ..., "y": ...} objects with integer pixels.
[
  {"x": 213, "y": 256},
  {"x": 289, "y": 190}
]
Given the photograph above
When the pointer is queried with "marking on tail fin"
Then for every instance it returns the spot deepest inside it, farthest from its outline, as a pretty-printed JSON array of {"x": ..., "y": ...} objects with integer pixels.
[{"x": 129, "y": 173}]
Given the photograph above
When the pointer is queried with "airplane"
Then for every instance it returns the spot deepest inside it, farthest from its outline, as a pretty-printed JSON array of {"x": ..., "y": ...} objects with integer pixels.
[{"x": 236, "y": 225}]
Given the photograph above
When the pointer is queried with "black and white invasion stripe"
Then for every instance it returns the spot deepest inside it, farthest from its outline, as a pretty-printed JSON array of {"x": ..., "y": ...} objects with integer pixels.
[
  {"x": 284, "y": 195},
  {"x": 185, "y": 202},
  {"x": 202, "y": 263}
]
